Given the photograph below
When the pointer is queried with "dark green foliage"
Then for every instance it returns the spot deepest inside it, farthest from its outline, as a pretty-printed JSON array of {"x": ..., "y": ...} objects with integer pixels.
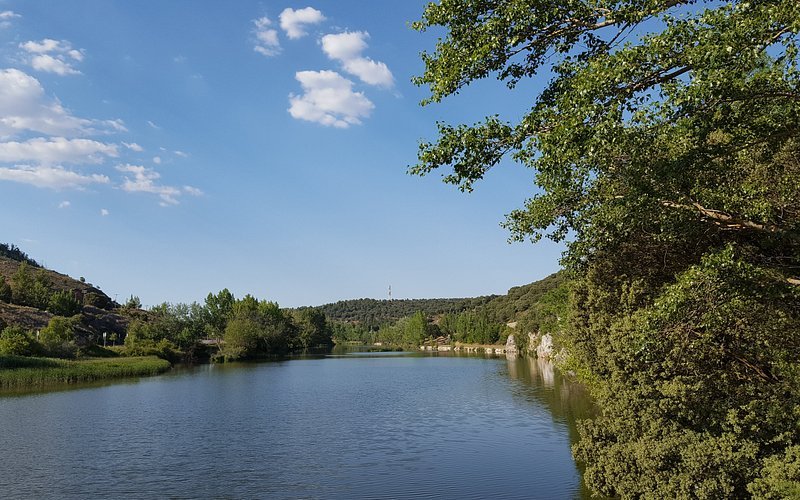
[
  {"x": 700, "y": 388},
  {"x": 133, "y": 302},
  {"x": 373, "y": 313},
  {"x": 146, "y": 339},
  {"x": 219, "y": 308},
  {"x": 14, "y": 253},
  {"x": 257, "y": 329},
  {"x": 166, "y": 329},
  {"x": 538, "y": 305},
  {"x": 5, "y": 290},
  {"x": 31, "y": 288},
  {"x": 63, "y": 304},
  {"x": 476, "y": 327},
  {"x": 670, "y": 160},
  {"x": 521, "y": 298},
  {"x": 342, "y": 332},
  {"x": 312, "y": 328},
  {"x": 407, "y": 331}
]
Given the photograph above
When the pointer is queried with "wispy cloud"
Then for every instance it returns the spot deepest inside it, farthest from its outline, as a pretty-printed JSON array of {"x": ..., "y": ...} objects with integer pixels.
[
  {"x": 153, "y": 125},
  {"x": 267, "y": 42},
  {"x": 294, "y": 22},
  {"x": 182, "y": 154},
  {"x": 53, "y": 56},
  {"x": 328, "y": 99},
  {"x": 6, "y": 16},
  {"x": 24, "y": 107},
  {"x": 133, "y": 147},
  {"x": 104, "y": 212},
  {"x": 347, "y": 48},
  {"x": 50, "y": 177},
  {"x": 64, "y": 204},
  {"x": 145, "y": 180},
  {"x": 56, "y": 150}
]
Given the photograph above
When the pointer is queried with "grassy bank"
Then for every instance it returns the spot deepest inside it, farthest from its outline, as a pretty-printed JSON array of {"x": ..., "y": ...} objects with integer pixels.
[{"x": 21, "y": 372}]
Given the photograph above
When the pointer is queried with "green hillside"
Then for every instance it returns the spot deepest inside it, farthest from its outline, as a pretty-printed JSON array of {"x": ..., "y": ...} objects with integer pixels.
[{"x": 372, "y": 313}]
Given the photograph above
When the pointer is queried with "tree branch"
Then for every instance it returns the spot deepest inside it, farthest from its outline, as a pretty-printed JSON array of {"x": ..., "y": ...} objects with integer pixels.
[{"x": 724, "y": 219}]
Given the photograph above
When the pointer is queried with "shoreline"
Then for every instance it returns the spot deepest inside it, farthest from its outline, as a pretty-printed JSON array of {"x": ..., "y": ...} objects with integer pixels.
[{"x": 17, "y": 372}]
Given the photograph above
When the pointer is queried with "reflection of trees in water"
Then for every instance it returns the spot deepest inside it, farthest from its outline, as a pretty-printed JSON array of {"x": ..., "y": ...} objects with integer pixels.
[
  {"x": 541, "y": 383},
  {"x": 539, "y": 371}
]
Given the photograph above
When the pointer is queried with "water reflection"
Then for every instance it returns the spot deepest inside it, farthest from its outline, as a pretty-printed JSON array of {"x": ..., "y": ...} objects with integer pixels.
[{"x": 368, "y": 425}]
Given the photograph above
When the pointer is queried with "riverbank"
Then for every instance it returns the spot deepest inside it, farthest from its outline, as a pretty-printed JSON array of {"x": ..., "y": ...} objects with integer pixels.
[{"x": 18, "y": 372}]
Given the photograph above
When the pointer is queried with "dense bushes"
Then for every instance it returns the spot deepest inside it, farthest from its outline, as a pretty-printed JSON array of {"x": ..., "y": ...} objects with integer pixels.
[{"x": 701, "y": 391}]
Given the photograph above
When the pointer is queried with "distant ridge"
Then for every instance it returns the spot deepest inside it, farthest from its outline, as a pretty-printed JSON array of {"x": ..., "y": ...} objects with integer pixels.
[
  {"x": 14, "y": 253},
  {"x": 373, "y": 312}
]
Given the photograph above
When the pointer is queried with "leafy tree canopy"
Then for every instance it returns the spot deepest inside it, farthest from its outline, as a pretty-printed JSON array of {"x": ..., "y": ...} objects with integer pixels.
[
  {"x": 665, "y": 148},
  {"x": 659, "y": 113}
]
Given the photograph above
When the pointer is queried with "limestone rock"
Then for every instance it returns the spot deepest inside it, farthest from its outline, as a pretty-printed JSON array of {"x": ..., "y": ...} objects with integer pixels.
[
  {"x": 545, "y": 348},
  {"x": 511, "y": 344}
]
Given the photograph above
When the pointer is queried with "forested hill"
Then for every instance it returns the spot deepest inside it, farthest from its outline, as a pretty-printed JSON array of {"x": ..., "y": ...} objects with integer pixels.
[
  {"x": 523, "y": 301},
  {"x": 372, "y": 312},
  {"x": 520, "y": 302}
]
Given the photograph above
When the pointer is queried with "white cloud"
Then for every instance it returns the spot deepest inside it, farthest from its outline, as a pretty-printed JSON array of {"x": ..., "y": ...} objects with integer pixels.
[
  {"x": 24, "y": 107},
  {"x": 144, "y": 181},
  {"x": 347, "y": 48},
  {"x": 294, "y": 22},
  {"x": 64, "y": 204},
  {"x": 104, "y": 212},
  {"x": 53, "y": 56},
  {"x": 157, "y": 160},
  {"x": 328, "y": 99},
  {"x": 182, "y": 154},
  {"x": 153, "y": 125},
  {"x": 192, "y": 191},
  {"x": 6, "y": 16},
  {"x": 50, "y": 177},
  {"x": 56, "y": 150},
  {"x": 117, "y": 125},
  {"x": 267, "y": 42},
  {"x": 133, "y": 147}
]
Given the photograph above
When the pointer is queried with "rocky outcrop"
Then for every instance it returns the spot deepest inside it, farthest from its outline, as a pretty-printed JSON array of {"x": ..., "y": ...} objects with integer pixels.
[
  {"x": 511, "y": 345},
  {"x": 545, "y": 348},
  {"x": 101, "y": 321}
]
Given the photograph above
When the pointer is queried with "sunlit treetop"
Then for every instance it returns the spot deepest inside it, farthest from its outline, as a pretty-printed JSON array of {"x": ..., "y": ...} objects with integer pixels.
[{"x": 656, "y": 113}]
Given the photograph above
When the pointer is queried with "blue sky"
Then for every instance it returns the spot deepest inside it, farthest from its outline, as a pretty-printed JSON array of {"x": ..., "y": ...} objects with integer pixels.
[{"x": 169, "y": 149}]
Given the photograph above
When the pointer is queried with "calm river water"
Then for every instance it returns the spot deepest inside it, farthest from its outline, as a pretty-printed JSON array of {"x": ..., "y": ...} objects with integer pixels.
[{"x": 342, "y": 426}]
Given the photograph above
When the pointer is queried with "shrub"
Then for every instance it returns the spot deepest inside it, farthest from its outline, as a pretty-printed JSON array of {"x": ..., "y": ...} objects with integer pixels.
[
  {"x": 58, "y": 337},
  {"x": 14, "y": 341},
  {"x": 5, "y": 290},
  {"x": 64, "y": 303}
]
